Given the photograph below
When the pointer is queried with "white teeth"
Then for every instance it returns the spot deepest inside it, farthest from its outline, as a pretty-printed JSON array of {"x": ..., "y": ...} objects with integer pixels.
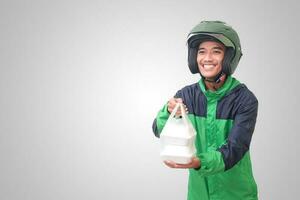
[{"x": 208, "y": 67}]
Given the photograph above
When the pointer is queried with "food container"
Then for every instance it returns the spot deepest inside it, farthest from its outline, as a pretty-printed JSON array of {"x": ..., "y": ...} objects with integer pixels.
[
  {"x": 178, "y": 138},
  {"x": 177, "y": 154}
]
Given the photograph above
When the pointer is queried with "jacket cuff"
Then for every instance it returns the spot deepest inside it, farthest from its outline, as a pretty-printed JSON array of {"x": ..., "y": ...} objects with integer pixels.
[
  {"x": 162, "y": 118},
  {"x": 210, "y": 163}
]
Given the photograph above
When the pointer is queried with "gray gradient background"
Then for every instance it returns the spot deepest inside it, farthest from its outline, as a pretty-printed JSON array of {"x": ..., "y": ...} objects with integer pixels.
[{"x": 81, "y": 82}]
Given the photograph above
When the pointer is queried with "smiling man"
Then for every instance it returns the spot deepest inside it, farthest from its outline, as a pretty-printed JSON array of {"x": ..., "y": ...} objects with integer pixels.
[
  {"x": 209, "y": 58},
  {"x": 222, "y": 110}
]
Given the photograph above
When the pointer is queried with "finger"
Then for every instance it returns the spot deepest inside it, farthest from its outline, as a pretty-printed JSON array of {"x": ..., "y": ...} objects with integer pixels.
[
  {"x": 179, "y": 100},
  {"x": 171, "y": 104},
  {"x": 170, "y": 164},
  {"x": 184, "y": 166},
  {"x": 170, "y": 109},
  {"x": 185, "y": 108},
  {"x": 178, "y": 113},
  {"x": 195, "y": 163},
  {"x": 167, "y": 163}
]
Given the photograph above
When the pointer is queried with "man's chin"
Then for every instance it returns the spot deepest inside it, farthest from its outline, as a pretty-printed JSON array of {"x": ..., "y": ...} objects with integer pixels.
[{"x": 209, "y": 76}]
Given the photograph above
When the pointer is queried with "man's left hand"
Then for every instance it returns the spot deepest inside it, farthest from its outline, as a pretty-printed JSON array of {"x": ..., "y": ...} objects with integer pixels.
[{"x": 195, "y": 163}]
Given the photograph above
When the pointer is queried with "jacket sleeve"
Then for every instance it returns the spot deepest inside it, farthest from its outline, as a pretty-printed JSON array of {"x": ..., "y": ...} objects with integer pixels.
[
  {"x": 160, "y": 120},
  {"x": 237, "y": 144}
]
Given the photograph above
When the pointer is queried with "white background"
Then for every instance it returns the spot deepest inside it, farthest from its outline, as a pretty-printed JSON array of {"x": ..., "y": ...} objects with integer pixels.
[{"x": 82, "y": 81}]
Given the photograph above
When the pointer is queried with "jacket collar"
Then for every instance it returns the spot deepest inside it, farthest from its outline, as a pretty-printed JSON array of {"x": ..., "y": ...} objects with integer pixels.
[{"x": 230, "y": 83}]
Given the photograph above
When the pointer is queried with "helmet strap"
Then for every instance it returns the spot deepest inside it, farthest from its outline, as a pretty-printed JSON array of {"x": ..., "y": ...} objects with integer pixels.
[{"x": 216, "y": 79}]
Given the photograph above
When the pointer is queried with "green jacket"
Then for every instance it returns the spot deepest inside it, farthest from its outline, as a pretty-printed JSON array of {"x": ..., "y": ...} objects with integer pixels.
[{"x": 224, "y": 121}]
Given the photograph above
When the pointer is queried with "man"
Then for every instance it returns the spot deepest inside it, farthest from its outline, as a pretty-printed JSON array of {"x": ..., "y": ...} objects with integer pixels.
[{"x": 223, "y": 112}]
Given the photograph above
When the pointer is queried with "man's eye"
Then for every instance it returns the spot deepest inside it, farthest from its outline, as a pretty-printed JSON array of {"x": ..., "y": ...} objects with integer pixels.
[
  {"x": 217, "y": 52},
  {"x": 201, "y": 52}
]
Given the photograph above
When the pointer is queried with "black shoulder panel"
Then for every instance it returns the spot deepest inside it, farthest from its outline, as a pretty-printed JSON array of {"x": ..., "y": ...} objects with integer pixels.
[{"x": 229, "y": 105}]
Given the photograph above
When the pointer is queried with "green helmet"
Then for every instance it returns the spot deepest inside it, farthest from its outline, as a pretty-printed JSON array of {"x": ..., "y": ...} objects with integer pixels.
[{"x": 215, "y": 31}]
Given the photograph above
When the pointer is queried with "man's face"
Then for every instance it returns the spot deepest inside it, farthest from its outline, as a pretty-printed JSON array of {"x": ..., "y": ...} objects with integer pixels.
[{"x": 209, "y": 58}]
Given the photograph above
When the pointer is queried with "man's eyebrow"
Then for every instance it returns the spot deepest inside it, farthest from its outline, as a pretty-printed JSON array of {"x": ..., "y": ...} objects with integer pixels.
[{"x": 219, "y": 48}]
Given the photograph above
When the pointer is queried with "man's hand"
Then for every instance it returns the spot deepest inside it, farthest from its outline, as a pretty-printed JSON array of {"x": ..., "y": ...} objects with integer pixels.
[
  {"x": 195, "y": 163},
  {"x": 172, "y": 103}
]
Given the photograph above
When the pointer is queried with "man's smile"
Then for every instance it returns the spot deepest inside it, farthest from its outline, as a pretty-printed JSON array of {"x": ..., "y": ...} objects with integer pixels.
[{"x": 209, "y": 66}]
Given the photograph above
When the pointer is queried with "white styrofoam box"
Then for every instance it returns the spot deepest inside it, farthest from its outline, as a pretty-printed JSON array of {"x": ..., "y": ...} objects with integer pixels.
[
  {"x": 175, "y": 140},
  {"x": 177, "y": 133},
  {"x": 177, "y": 154}
]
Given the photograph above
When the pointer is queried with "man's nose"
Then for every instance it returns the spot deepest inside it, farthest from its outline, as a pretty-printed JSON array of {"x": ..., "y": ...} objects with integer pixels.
[{"x": 208, "y": 57}]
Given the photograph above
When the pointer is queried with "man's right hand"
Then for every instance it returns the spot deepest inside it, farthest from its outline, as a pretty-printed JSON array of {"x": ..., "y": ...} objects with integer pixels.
[{"x": 172, "y": 103}]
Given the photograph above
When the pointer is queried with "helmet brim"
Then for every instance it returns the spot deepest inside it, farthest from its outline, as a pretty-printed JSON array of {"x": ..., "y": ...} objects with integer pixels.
[{"x": 195, "y": 38}]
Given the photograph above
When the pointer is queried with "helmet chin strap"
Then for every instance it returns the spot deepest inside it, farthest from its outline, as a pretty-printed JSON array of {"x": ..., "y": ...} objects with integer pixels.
[{"x": 216, "y": 79}]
